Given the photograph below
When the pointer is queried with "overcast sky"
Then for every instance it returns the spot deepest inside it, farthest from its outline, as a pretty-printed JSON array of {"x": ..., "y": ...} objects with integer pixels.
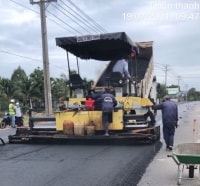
[{"x": 172, "y": 25}]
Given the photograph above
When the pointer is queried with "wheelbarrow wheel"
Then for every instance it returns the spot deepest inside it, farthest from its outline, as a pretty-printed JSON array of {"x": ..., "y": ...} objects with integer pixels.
[{"x": 191, "y": 171}]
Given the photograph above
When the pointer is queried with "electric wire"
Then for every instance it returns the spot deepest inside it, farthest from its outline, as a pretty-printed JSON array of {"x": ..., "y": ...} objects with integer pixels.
[
  {"x": 63, "y": 21},
  {"x": 13, "y": 54},
  {"x": 19, "y": 4},
  {"x": 68, "y": 25},
  {"x": 60, "y": 25},
  {"x": 81, "y": 19},
  {"x": 25, "y": 57},
  {"x": 94, "y": 26},
  {"x": 24, "y": 6},
  {"x": 63, "y": 12},
  {"x": 88, "y": 17},
  {"x": 37, "y": 12},
  {"x": 172, "y": 75}
]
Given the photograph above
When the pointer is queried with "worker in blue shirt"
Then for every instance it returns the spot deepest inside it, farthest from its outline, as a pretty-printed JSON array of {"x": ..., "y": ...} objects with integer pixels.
[
  {"x": 108, "y": 102},
  {"x": 169, "y": 118}
]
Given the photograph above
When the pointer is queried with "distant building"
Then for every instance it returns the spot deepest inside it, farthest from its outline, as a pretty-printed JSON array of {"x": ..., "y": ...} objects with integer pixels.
[
  {"x": 173, "y": 92},
  {"x": 177, "y": 95}
]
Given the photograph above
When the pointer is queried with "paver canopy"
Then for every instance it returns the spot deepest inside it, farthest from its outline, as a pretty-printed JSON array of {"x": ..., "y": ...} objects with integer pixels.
[{"x": 103, "y": 47}]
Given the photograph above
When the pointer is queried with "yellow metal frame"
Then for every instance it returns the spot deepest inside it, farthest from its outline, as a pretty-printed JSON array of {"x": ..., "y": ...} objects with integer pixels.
[
  {"x": 134, "y": 101},
  {"x": 84, "y": 117}
]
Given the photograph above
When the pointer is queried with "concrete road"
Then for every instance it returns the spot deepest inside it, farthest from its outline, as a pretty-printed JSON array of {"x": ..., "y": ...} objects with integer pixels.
[{"x": 162, "y": 171}]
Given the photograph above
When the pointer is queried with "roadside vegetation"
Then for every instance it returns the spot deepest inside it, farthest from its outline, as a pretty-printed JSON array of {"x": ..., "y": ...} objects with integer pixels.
[{"x": 29, "y": 92}]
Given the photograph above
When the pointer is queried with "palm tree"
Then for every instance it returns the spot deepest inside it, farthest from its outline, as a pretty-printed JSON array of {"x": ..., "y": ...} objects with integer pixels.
[{"x": 59, "y": 88}]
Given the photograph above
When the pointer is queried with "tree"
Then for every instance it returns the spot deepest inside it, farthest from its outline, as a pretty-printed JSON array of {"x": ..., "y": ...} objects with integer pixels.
[
  {"x": 5, "y": 93},
  {"x": 59, "y": 88},
  {"x": 18, "y": 79},
  {"x": 193, "y": 95},
  {"x": 87, "y": 84},
  {"x": 162, "y": 91},
  {"x": 35, "y": 87},
  {"x": 6, "y": 87}
]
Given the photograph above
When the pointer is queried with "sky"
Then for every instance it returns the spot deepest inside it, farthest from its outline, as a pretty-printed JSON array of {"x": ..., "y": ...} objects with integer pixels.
[{"x": 172, "y": 25}]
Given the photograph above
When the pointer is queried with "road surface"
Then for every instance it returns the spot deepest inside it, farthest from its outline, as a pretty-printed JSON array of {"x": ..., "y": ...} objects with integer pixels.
[{"x": 81, "y": 165}]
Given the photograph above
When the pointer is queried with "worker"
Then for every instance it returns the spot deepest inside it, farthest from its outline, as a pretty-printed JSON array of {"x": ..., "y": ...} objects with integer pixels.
[
  {"x": 89, "y": 104},
  {"x": 122, "y": 64},
  {"x": 108, "y": 102},
  {"x": 122, "y": 67},
  {"x": 18, "y": 116},
  {"x": 94, "y": 96},
  {"x": 169, "y": 118},
  {"x": 12, "y": 112}
]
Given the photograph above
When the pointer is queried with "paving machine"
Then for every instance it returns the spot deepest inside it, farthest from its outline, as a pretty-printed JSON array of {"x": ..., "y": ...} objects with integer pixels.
[{"x": 80, "y": 117}]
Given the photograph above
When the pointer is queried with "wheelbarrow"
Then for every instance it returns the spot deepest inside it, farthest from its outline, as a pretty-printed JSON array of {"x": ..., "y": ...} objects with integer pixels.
[{"x": 186, "y": 155}]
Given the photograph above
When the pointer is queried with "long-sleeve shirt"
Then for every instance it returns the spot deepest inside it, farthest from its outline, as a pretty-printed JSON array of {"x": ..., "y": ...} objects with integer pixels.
[
  {"x": 122, "y": 67},
  {"x": 169, "y": 111},
  {"x": 18, "y": 112}
]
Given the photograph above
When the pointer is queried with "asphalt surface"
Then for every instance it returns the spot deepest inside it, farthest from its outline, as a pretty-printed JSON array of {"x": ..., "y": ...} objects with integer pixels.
[
  {"x": 97, "y": 164},
  {"x": 73, "y": 165}
]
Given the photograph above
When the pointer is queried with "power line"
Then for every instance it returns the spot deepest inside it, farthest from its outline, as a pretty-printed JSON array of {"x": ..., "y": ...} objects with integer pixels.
[
  {"x": 59, "y": 25},
  {"x": 3, "y": 51},
  {"x": 63, "y": 21},
  {"x": 24, "y": 6},
  {"x": 19, "y": 4},
  {"x": 81, "y": 19},
  {"x": 25, "y": 57},
  {"x": 69, "y": 16},
  {"x": 89, "y": 22},
  {"x": 59, "y": 19},
  {"x": 89, "y": 18}
]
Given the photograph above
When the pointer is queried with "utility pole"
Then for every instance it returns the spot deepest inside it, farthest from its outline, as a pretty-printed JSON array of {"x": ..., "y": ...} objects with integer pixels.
[
  {"x": 186, "y": 91},
  {"x": 179, "y": 78},
  {"x": 47, "y": 86},
  {"x": 166, "y": 69}
]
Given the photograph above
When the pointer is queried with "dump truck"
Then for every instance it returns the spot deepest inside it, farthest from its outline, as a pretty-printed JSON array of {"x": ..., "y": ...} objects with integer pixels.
[{"x": 78, "y": 118}]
